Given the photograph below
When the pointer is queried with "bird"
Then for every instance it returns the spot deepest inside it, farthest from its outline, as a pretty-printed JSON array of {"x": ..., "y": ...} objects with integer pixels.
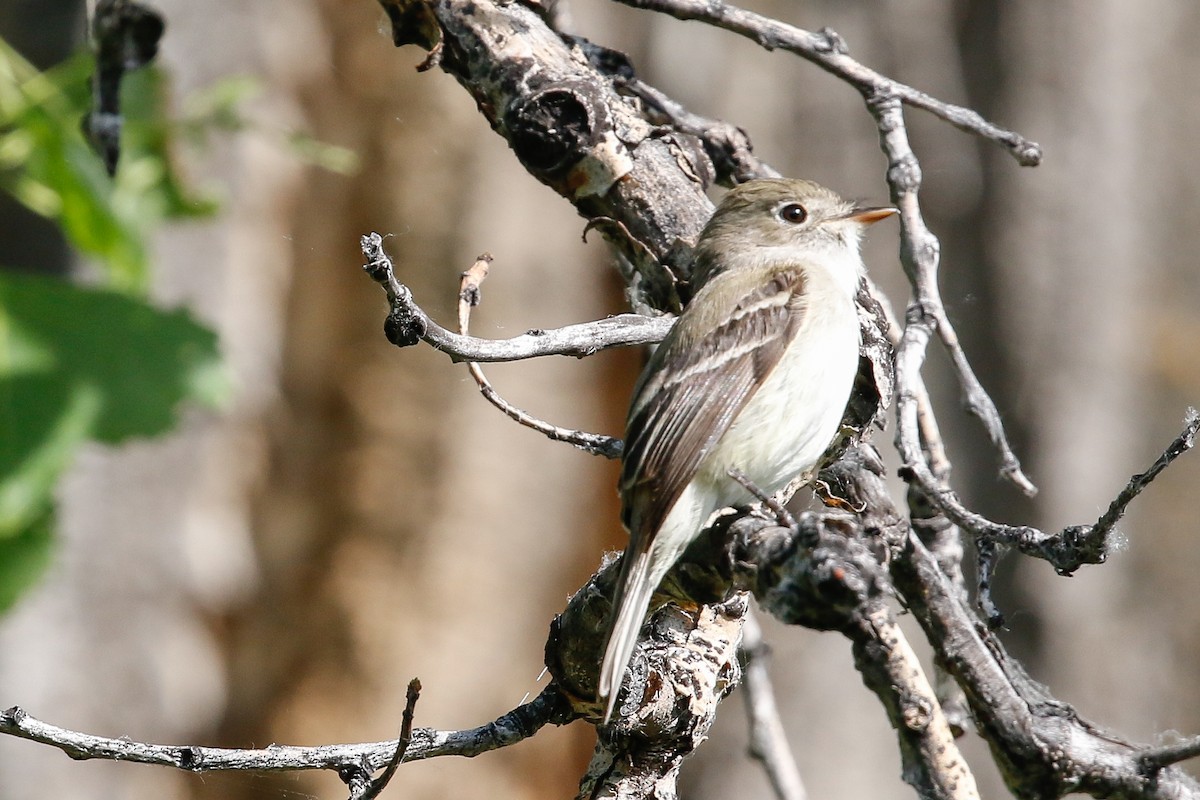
[{"x": 753, "y": 378}]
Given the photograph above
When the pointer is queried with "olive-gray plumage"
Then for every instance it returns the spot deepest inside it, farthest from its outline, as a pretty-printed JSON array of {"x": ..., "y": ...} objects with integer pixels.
[{"x": 753, "y": 377}]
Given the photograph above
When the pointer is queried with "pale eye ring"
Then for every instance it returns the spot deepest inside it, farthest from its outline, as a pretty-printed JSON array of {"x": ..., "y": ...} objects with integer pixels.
[{"x": 793, "y": 213}]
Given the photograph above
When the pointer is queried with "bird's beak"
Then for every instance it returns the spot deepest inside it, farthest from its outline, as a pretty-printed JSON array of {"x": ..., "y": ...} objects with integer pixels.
[{"x": 866, "y": 216}]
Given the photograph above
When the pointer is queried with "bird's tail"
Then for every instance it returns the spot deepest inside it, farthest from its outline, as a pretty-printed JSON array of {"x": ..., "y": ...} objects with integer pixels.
[{"x": 632, "y": 598}]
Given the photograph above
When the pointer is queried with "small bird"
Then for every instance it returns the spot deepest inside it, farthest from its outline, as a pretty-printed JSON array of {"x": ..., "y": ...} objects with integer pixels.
[{"x": 754, "y": 377}]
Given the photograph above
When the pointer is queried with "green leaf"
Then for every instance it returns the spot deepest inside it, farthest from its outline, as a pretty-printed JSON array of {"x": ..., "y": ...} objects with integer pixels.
[
  {"x": 78, "y": 364},
  {"x": 46, "y": 163},
  {"x": 48, "y": 166},
  {"x": 141, "y": 359}
]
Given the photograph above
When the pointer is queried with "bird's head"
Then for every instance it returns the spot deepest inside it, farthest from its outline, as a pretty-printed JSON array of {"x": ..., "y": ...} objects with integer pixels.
[{"x": 782, "y": 220}]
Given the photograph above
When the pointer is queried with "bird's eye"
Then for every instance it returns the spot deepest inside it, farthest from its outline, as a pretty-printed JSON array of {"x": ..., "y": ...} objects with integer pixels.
[{"x": 794, "y": 213}]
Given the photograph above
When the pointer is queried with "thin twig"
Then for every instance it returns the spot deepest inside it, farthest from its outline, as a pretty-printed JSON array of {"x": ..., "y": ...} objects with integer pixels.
[
  {"x": 931, "y": 435},
  {"x": 828, "y": 51},
  {"x": 1184, "y": 442},
  {"x": 920, "y": 252},
  {"x": 408, "y": 324},
  {"x": 373, "y": 788},
  {"x": 469, "y": 294},
  {"x": 1072, "y": 547},
  {"x": 1154, "y": 759},
  {"x": 768, "y": 740},
  {"x": 782, "y": 515}
]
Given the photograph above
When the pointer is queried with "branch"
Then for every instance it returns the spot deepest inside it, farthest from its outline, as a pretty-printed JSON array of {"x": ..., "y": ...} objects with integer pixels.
[
  {"x": 1183, "y": 442},
  {"x": 518, "y": 724},
  {"x": 370, "y": 789},
  {"x": 1155, "y": 758},
  {"x": 727, "y": 146},
  {"x": 469, "y": 295},
  {"x": 1072, "y": 547},
  {"x": 407, "y": 324},
  {"x": 829, "y": 52},
  {"x": 768, "y": 740},
  {"x": 1044, "y": 748}
]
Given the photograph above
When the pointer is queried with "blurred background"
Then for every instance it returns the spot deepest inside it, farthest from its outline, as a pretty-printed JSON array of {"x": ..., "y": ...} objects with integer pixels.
[{"x": 357, "y": 515}]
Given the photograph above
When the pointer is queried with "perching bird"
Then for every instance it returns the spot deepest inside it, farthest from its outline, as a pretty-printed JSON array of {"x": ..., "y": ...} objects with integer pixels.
[{"x": 753, "y": 377}]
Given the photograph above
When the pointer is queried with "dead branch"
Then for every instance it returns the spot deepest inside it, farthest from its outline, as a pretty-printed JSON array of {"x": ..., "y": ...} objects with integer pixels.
[
  {"x": 829, "y": 52},
  {"x": 349, "y": 759},
  {"x": 469, "y": 296},
  {"x": 408, "y": 324}
]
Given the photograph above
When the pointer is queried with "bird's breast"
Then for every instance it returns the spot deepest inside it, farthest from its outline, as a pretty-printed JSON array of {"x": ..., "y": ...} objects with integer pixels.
[{"x": 789, "y": 422}]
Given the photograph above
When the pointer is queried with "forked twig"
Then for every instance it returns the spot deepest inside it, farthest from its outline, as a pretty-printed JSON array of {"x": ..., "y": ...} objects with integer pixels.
[
  {"x": 407, "y": 324},
  {"x": 372, "y": 788},
  {"x": 469, "y": 294},
  {"x": 829, "y": 52}
]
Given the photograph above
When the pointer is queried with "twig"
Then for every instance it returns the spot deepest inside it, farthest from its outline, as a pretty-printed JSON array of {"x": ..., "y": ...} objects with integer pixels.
[
  {"x": 828, "y": 51},
  {"x": 931, "y": 435},
  {"x": 1156, "y": 758},
  {"x": 985, "y": 568},
  {"x": 518, "y": 724},
  {"x": 1184, "y": 442},
  {"x": 373, "y": 788},
  {"x": 920, "y": 250},
  {"x": 1072, "y": 547},
  {"x": 468, "y": 297},
  {"x": 782, "y": 515},
  {"x": 768, "y": 740},
  {"x": 408, "y": 324},
  {"x": 1042, "y": 745}
]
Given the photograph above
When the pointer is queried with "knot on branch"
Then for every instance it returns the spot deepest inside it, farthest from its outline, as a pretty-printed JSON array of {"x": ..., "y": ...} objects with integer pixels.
[
  {"x": 402, "y": 327},
  {"x": 562, "y": 133},
  {"x": 1028, "y": 154},
  {"x": 831, "y": 42},
  {"x": 817, "y": 574},
  {"x": 413, "y": 22},
  {"x": 904, "y": 174},
  {"x": 551, "y": 126},
  {"x": 1076, "y": 546}
]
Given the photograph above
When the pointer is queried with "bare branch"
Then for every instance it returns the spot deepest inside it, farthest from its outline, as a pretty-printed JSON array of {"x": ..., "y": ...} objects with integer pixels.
[
  {"x": 1156, "y": 758},
  {"x": 829, "y": 52},
  {"x": 372, "y": 789},
  {"x": 1072, "y": 547},
  {"x": 1043, "y": 746},
  {"x": 518, "y": 724},
  {"x": 408, "y": 324},
  {"x": 892, "y": 670},
  {"x": 768, "y": 740},
  {"x": 920, "y": 251},
  {"x": 1182, "y": 443},
  {"x": 469, "y": 296}
]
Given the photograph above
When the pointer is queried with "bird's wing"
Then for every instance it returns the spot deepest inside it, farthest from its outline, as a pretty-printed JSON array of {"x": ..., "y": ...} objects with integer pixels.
[{"x": 697, "y": 382}]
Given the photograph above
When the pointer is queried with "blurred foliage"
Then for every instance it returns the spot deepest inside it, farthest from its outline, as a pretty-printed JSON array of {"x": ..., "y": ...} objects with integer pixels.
[
  {"x": 84, "y": 363},
  {"x": 99, "y": 363},
  {"x": 79, "y": 364},
  {"x": 48, "y": 166}
]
